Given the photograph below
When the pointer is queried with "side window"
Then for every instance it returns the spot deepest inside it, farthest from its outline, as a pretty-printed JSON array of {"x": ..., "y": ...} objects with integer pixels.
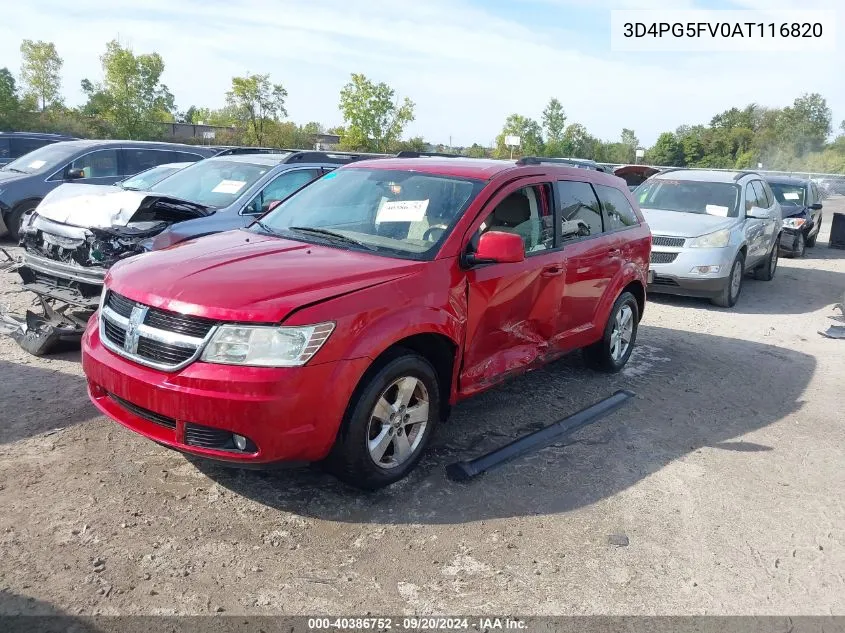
[
  {"x": 20, "y": 146},
  {"x": 138, "y": 160},
  {"x": 751, "y": 199},
  {"x": 526, "y": 212},
  {"x": 762, "y": 197},
  {"x": 4, "y": 148},
  {"x": 580, "y": 213},
  {"x": 99, "y": 164},
  {"x": 279, "y": 189},
  {"x": 618, "y": 212},
  {"x": 183, "y": 157}
]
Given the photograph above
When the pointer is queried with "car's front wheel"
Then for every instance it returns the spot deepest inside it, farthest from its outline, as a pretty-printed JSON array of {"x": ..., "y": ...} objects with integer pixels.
[
  {"x": 388, "y": 424},
  {"x": 15, "y": 218},
  {"x": 614, "y": 349},
  {"x": 730, "y": 293}
]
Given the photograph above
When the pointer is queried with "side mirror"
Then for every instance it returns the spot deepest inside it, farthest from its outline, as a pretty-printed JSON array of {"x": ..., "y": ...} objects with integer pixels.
[
  {"x": 816, "y": 206},
  {"x": 758, "y": 214},
  {"x": 495, "y": 247},
  {"x": 75, "y": 174}
]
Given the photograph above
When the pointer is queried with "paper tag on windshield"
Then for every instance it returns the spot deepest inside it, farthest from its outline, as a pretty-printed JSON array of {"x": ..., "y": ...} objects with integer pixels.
[
  {"x": 229, "y": 186},
  {"x": 791, "y": 195},
  {"x": 402, "y": 211},
  {"x": 715, "y": 209},
  {"x": 37, "y": 164}
]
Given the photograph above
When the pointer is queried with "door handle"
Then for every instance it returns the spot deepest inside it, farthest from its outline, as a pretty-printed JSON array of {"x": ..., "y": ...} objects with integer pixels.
[{"x": 553, "y": 270}]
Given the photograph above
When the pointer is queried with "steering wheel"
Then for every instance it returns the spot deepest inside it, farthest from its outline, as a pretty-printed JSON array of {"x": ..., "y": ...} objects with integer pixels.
[{"x": 428, "y": 233}]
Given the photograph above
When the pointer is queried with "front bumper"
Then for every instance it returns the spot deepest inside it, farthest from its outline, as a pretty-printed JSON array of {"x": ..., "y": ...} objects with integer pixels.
[
  {"x": 675, "y": 276},
  {"x": 289, "y": 414},
  {"x": 789, "y": 239},
  {"x": 92, "y": 275}
]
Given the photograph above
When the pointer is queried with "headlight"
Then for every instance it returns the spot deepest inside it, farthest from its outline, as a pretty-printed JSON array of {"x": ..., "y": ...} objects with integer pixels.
[
  {"x": 794, "y": 223},
  {"x": 266, "y": 346},
  {"x": 718, "y": 239}
]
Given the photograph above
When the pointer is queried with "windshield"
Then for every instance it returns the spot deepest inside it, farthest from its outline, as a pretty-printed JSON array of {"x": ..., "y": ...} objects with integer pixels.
[
  {"x": 146, "y": 179},
  {"x": 788, "y": 194},
  {"x": 213, "y": 183},
  {"x": 686, "y": 196},
  {"x": 400, "y": 213},
  {"x": 47, "y": 158}
]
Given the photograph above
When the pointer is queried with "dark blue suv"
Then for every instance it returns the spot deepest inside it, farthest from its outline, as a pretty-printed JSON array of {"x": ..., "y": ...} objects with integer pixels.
[
  {"x": 24, "y": 182},
  {"x": 15, "y": 144}
]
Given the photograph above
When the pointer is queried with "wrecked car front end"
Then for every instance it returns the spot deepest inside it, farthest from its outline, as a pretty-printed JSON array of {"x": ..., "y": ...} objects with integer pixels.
[{"x": 68, "y": 251}]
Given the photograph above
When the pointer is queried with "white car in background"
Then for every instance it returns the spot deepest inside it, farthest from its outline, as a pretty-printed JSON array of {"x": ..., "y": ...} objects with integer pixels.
[{"x": 710, "y": 228}]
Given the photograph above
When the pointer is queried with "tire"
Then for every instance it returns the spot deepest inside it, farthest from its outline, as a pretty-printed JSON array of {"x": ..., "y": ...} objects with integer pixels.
[
  {"x": 730, "y": 294},
  {"x": 605, "y": 355},
  {"x": 13, "y": 220},
  {"x": 766, "y": 271},
  {"x": 811, "y": 239},
  {"x": 351, "y": 459},
  {"x": 802, "y": 247}
]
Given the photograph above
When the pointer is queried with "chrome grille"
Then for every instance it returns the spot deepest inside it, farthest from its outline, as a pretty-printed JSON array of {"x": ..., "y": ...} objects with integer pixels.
[
  {"x": 151, "y": 336},
  {"x": 663, "y": 240},
  {"x": 663, "y": 258}
]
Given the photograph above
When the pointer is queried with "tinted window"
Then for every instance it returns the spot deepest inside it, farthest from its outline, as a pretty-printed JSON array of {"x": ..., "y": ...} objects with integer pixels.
[
  {"x": 21, "y": 146},
  {"x": 527, "y": 213},
  {"x": 4, "y": 148},
  {"x": 580, "y": 214},
  {"x": 138, "y": 160},
  {"x": 98, "y": 164},
  {"x": 762, "y": 198},
  {"x": 686, "y": 196},
  {"x": 184, "y": 157},
  {"x": 280, "y": 188},
  {"x": 618, "y": 212}
]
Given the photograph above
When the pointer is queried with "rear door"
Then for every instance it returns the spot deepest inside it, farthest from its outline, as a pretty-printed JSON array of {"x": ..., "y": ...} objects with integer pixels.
[
  {"x": 755, "y": 229},
  {"x": 513, "y": 308},
  {"x": 771, "y": 226}
]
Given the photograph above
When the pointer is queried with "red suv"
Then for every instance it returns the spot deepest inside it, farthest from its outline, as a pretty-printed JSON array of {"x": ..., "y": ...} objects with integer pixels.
[{"x": 342, "y": 325}]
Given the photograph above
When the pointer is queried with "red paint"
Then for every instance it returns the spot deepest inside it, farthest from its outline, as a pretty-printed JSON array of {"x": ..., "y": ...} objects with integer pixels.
[{"x": 500, "y": 318}]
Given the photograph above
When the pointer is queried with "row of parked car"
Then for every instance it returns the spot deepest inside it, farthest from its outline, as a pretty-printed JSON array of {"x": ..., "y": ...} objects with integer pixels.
[{"x": 331, "y": 307}]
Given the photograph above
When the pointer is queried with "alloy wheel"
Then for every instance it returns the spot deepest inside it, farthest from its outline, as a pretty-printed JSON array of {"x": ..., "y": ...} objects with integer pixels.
[
  {"x": 398, "y": 422},
  {"x": 622, "y": 333}
]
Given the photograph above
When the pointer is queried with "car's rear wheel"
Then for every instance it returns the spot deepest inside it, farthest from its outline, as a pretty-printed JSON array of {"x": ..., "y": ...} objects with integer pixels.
[
  {"x": 388, "y": 424},
  {"x": 14, "y": 219},
  {"x": 730, "y": 294},
  {"x": 620, "y": 333},
  {"x": 766, "y": 271}
]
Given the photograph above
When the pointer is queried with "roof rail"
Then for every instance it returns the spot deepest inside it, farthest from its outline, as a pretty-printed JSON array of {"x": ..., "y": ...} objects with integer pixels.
[
  {"x": 743, "y": 174},
  {"x": 572, "y": 162},
  {"x": 328, "y": 157},
  {"x": 411, "y": 154}
]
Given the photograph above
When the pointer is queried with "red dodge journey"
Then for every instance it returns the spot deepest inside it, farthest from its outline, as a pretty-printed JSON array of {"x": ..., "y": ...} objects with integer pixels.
[{"x": 342, "y": 325}]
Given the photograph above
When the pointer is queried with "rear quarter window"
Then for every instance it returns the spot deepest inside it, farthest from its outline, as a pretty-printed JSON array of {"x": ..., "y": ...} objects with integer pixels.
[{"x": 618, "y": 212}]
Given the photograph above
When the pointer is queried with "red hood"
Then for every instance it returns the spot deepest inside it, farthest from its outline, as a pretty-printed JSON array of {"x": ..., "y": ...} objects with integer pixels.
[{"x": 242, "y": 276}]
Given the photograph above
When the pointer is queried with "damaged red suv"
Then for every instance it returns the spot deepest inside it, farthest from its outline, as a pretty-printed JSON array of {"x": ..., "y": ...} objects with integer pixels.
[{"x": 342, "y": 326}]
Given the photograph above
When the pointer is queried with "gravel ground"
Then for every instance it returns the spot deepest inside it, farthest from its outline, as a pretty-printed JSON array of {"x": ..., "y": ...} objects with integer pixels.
[{"x": 717, "y": 491}]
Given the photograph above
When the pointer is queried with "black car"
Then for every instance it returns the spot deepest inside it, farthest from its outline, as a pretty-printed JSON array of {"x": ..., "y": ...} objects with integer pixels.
[
  {"x": 24, "y": 182},
  {"x": 15, "y": 144},
  {"x": 802, "y": 213}
]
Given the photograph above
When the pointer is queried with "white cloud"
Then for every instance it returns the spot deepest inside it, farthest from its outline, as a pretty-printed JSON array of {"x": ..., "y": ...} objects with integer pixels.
[{"x": 465, "y": 67}]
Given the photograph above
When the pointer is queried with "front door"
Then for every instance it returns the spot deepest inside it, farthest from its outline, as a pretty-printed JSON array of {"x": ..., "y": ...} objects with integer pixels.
[
  {"x": 755, "y": 228},
  {"x": 513, "y": 307}
]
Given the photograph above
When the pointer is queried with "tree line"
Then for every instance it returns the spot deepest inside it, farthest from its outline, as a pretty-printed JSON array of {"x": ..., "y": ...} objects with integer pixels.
[{"x": 129, "y": 100}]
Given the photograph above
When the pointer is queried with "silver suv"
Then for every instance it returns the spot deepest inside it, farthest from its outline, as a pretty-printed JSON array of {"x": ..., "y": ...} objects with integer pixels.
[{"x": 709, "y": 228}]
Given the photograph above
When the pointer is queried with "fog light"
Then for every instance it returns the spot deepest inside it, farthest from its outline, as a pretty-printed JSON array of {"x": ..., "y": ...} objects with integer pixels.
[
  {"x": 240, "y": 441},
  {"x": 704, "y": 270}
]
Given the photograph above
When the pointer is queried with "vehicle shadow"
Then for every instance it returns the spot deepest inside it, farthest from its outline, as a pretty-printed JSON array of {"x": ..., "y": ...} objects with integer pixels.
[
  {"x": 38, "y": 399},
  {"x": 800, "y": 286},
  {"x": 22, "y": 614},
  {"x": 674, "y": 414}
]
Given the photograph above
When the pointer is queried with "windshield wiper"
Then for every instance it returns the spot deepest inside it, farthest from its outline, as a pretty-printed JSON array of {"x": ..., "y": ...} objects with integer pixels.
[
  {"x": 267, "y": 229},
  {"x": 15, "y": 169},
  {"x": 332, "y": 235}
]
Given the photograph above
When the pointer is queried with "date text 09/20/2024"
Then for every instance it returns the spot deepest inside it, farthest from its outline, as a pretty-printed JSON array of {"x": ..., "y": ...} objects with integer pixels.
[{"x": 416, "y": 624}]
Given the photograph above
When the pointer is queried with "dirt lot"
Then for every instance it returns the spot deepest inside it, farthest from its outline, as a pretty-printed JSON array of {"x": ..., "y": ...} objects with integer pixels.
[{"x": 718, "y": 491}]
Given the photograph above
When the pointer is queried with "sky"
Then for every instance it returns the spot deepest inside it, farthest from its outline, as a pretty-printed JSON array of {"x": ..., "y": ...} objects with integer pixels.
[{"x": 466, "y": 64}]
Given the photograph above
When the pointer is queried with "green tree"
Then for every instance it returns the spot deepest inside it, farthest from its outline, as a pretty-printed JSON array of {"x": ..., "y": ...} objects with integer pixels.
[
  {"x": 666, "y": 151},
  {"x": 10, "y": 105},
  {"x": 375, "y": 118},
  {"x": 628, "y": 150},
  {"x": 41, "y": 69},
  {"x": 530, "y": 135},
  {"x": 131, "y": 97},
  {"x": 255, "y": 101},
  {"x": 476, "y": 151},
  {"x": 577, "y": 141},
  {"x": 554, "y": 121}
]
